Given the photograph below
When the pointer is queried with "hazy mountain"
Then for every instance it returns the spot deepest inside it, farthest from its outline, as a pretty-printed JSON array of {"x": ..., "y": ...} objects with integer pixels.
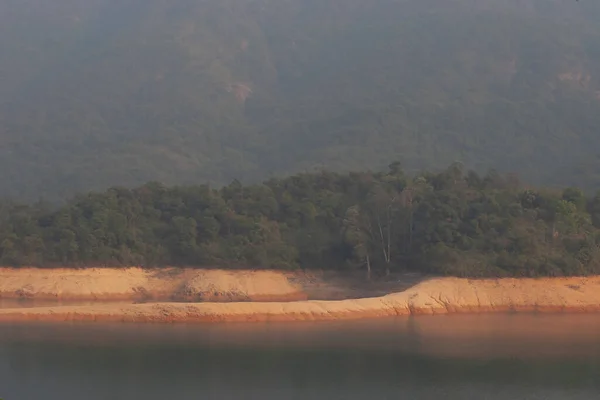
[{"x": 95, "y": 93}]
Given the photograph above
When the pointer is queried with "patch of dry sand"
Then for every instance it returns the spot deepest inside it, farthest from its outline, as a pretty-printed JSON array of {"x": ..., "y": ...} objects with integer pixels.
[
  {"x": 219, "y": 285},
  {"x": 435, "y": 296}
]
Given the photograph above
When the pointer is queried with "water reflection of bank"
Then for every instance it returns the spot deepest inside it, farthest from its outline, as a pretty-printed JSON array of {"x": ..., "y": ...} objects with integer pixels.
[{"x": 471, "y": 336}]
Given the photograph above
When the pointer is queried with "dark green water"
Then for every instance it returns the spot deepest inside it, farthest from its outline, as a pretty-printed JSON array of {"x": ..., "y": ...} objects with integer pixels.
[{"x": 488, "y": 357}]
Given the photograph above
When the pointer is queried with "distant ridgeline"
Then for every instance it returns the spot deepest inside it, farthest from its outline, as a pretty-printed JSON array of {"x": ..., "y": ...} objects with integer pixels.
[{"x": 450, "y": 222}]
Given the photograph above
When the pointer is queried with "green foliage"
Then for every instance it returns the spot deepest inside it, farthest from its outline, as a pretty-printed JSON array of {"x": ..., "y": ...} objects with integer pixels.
[
  {"x": 452, "y": 222},
  {"x": 112, "y": 92}
]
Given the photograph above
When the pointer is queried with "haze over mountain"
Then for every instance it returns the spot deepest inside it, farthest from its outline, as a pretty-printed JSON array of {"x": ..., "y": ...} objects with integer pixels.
[{"x": 96, "y": 93}]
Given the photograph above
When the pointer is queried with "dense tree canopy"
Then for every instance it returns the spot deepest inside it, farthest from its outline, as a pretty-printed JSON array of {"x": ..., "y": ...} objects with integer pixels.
[
  {"x": 95, "y": 93},
  {"x": 452, "y": 222}
]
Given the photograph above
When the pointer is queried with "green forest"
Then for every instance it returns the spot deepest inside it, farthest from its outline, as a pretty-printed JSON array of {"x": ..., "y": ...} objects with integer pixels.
[
  {"x": 110, "y": 92},
  {"x": 453, "y": 222}
]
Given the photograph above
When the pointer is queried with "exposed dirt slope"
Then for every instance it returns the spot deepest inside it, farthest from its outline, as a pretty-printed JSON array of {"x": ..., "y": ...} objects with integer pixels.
[
  {"x": 435, "y": 296},
  {"x": 139, "y": 284}
]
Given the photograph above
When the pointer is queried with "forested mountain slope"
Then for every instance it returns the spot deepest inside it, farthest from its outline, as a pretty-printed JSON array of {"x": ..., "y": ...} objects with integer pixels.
[{"x": 98, "y": 93}]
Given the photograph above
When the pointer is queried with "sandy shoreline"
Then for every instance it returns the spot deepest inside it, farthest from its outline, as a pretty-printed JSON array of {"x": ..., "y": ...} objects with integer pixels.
[{"x": 434, "y": 296}]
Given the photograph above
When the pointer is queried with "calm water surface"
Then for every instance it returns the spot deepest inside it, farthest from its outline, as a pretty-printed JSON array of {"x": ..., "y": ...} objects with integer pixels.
[{"x": 486, "y": 357}]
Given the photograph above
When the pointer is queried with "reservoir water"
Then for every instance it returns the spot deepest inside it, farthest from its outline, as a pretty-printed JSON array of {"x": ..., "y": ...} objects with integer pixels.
[{"x": 483, "y": 357}]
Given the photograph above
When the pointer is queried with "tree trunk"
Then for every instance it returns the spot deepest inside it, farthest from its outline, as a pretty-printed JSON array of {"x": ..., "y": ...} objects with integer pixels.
[
  {"x": 368, "y": 268},
  {"x": 382, "y": 238},
  {"x": 410, "y": 228}
]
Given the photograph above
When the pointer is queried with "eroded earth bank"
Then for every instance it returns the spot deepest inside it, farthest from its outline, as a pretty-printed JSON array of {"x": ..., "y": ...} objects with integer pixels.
[{"x": 188, "y": 295}]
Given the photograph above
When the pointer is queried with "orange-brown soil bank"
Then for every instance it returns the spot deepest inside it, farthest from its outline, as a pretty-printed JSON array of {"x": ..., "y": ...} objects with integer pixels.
[
  {"x": 180, "y": 284},
  {"x": 435, "y": 296}
]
